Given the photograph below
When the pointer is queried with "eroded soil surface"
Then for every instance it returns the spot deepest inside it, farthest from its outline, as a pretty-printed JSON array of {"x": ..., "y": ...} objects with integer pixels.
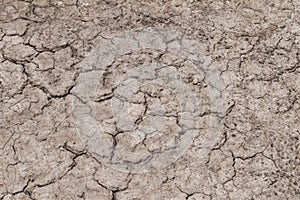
[{"x": 254, "y": 46}]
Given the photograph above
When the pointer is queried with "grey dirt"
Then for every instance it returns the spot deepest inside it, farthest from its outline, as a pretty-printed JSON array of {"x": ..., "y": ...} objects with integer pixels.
[{"x": 46, "y": 48}]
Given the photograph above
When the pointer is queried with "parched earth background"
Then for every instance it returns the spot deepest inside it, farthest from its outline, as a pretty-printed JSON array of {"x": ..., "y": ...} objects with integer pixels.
[{"x": 255, "y": 45}]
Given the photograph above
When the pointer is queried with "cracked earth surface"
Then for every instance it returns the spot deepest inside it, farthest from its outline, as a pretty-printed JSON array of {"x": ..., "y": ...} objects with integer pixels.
[{"x": 45, "y": 52}]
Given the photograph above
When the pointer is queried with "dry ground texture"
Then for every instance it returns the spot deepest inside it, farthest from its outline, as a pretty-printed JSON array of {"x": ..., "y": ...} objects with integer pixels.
[{"x": 48, "y": 61}]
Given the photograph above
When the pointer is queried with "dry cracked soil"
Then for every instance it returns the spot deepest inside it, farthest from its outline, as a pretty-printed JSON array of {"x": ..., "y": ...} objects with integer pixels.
[{"x": 150, "y": 99}]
